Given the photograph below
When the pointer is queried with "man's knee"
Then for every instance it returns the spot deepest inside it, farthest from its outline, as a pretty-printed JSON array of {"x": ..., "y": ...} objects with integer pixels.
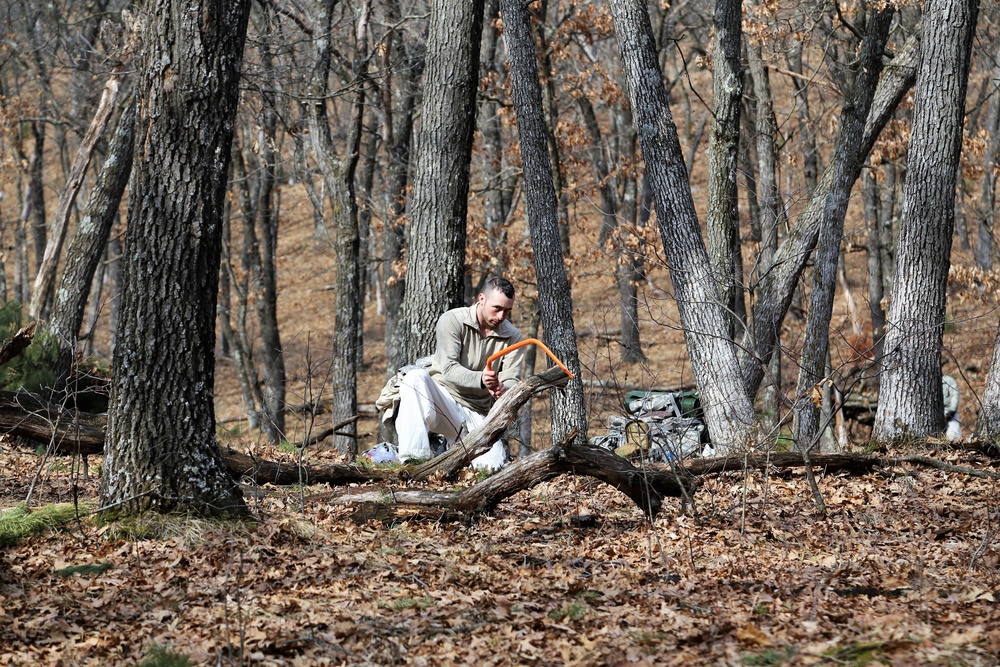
[{"x": 415, "y": 378}]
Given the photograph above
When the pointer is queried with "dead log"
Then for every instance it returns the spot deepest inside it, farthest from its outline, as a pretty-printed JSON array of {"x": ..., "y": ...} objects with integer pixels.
[
  {"x": 71, "y": 432},
  {"x": 647, "y": 488},
  {"x": 17, "y": 343},
  {"x": 502, "y": 415},
  {"x": 261, "y": 471},
  {"x": 855, "y": 463}
]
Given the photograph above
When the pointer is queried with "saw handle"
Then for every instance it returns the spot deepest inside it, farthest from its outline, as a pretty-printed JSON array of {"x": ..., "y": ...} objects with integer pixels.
[{"x": 528, "y": 341}]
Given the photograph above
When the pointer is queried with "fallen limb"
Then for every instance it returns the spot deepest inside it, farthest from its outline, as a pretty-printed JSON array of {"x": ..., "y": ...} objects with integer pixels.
[
  {"x": 646, "y": 488},
  {"x": 858, "y": 463},
  {"x": 502, "y": 415},
  {"x": 261, "y": 471},
  {"x": 73, "y": 432},
  {"x": 853, "y": 463}
]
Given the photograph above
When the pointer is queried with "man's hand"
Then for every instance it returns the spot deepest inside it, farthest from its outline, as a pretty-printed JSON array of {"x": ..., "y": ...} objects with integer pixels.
[{"x": 492, "y": 383}]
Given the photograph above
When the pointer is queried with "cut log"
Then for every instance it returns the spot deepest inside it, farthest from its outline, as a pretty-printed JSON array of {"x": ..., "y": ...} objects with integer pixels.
[{"x": 502, "y": 415}]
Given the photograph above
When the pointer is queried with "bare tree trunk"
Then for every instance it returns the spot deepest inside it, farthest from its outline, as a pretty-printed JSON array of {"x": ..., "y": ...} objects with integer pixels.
[
  {"x": 397, "y": 137},
  {"x": 987, "y": 202},
  {"x": 777, "y": 287},
  {"x": 90, "y": 242},
  {"x": 875, "y": 293},
  {"x": 45, "y": 278},
  {"x": 988, "y": 426},
  {"x": 723, "y": 222},
  {"x": 807, "y": 135},
  {"x": 624, "y": 275},
  {"x": 910, "y": 399},
  {"x": 265, "y": 280},
  {"x": 772, "y": 212},
  {"x": 551, "y": 107},
  {"x": 846, "y": 164},
  {"x": 37, "y": 199},
  {"x": 555, "y": 301},
  {"x": 439, "y": 202},
  {"x": 729, "y": 413}
]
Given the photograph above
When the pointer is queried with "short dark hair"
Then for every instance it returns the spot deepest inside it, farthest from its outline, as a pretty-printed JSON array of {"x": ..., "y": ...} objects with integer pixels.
[{"x": 499, "y": 284}]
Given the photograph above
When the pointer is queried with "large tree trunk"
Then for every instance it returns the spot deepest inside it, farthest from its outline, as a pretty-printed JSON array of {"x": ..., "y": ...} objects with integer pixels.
[
  {"x": 846, "y": 164},
  {"x": 729, "y": 413},
  {"x": 161, "y": 452},
  {"x": 723, "y": 223},
  {"x": 555, "y": 301},
  {"x": 910, "y": 399},
  {"x": 439, "y": 202},
  {"x": 89, "y": 243}
]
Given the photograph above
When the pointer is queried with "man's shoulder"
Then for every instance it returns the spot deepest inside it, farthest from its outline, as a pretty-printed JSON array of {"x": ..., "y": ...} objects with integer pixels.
[
  {"x": 457, "y": 316},
  {"x": 509, "y": 332}
]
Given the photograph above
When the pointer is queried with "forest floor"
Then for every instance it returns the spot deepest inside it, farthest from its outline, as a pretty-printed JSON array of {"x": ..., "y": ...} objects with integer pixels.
[{"x": 902, "y": 569}]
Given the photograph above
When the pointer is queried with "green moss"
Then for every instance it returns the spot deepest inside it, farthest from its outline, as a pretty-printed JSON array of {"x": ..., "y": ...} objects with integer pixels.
[
  {"x": 85, "y": 568},
  {"x": 20, "y": 522},
  {"x": 160, "y": 656}
]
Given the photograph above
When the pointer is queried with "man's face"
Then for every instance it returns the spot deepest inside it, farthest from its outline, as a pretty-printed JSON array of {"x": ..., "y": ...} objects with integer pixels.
[{"x": 494, "y": 308}]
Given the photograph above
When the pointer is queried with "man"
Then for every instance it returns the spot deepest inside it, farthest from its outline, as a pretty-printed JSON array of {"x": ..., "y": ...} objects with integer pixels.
[{"x": 457, "y": 391}]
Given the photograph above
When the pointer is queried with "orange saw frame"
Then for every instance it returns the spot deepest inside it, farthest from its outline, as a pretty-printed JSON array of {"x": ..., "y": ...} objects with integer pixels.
[{"x": 528, "y": 341}]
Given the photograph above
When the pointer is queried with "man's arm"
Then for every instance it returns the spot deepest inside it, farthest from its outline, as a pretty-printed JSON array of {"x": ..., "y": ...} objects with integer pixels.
[{"x": 510, "y": 366}]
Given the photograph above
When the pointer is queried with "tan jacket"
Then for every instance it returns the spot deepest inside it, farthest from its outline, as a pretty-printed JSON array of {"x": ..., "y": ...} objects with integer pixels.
[{"x": 461, "y": 355}]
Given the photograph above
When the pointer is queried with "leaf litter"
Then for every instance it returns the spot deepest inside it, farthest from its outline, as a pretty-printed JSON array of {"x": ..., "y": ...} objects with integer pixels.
[{"x": 902, "y": 570}]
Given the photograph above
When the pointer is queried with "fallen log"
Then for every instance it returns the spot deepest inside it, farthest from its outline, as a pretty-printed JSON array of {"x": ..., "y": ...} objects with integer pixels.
[
  {"x": 501, "y": 416},
  {"x": 261, "y": 471},
  {"x": 69, "y": 431},
  {"x": 647, "y": 488}
]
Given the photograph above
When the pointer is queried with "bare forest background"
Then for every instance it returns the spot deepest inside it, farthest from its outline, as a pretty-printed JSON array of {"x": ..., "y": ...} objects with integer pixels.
[{"x": 303, "y": 172}]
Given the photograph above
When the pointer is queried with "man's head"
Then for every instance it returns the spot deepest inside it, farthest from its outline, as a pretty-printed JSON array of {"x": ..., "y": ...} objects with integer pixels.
[{"x": 495, "y": 302}]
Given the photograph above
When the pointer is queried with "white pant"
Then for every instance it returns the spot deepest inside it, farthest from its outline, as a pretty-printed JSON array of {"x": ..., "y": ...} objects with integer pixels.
[{"x": 425, "y": 406}]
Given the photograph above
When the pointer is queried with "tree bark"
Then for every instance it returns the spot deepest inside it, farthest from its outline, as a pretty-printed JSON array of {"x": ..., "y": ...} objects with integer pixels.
[
  {"x": 910, "y": 399},
  {"x": 988, "y": 426},
  {"x": 729, "y": 413},
  {"x": 723, "y": 223},
  {"x": 90, "y": 241},
  {"x": 439, "y": 202},
  {"x": 161, "y": 452},
  {"x": 984, "y": 239},
  {"x": 555, "y": 301},
  {"x": 45, "y": 278},
  {"x": 846, "y": 164},
  {"x": 405, "y": 68}
]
